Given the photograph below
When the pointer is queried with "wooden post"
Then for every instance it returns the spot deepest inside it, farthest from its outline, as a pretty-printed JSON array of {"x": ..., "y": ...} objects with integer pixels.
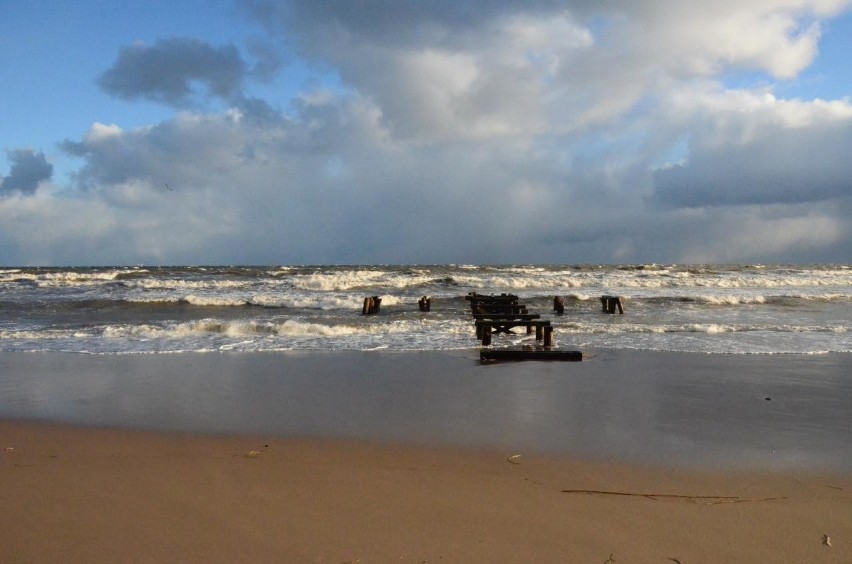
[
  {"x": 610, "y": 303},
  {"x": 486, "y": 335},
  {"x": 558, "y": 305},
  {"x": 371, "y": 305},
  {"x": 425, "y": 303},
  {"x": 539, "y": 334},
  {"x": 548, "y": 336}
]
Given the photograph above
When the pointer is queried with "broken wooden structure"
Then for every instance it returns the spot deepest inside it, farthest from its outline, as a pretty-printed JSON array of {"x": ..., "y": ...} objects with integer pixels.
[
  {"x": 500, "y": 314},
  {"x": 610, "y": 303},
  {"x": 371, "y": 305}
]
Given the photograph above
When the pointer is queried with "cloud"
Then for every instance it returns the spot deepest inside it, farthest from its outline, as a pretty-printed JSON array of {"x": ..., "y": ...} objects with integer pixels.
[
  {"x": 749, "y": 149},
  {"x": 28, "y": 170},
  {"x": 168, "y": 72},
  {"x": 468, "y": 132}
]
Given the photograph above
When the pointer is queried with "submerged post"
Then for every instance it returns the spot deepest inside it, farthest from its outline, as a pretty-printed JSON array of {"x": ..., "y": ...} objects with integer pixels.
[
  {"x": 548, "y": 336},
  {"x": 559, "y": 305},
  {"x": 610, "y": 303},
  {"x": 371, "y": 305},
  {"x": 425, "y": 303}
]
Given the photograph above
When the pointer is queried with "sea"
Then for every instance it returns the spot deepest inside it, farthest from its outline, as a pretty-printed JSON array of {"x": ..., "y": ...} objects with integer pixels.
[{"x": 711, "y": 309}]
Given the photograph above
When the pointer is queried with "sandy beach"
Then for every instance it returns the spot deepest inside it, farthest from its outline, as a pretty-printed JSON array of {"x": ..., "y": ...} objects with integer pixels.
[{"x": 308, "y": 458}]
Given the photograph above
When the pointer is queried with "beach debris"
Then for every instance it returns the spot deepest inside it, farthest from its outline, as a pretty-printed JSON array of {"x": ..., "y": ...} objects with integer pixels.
[
  {"x": 8, "y": 449},
  {"x": 514, "y": 459},
  {"x": 826, "y": 540},
  {"x": 256, "y": 453},
  {"x": 710, "y": 499},
  {"x": 610, "y": 303},
  {"x": 748, "y": 500},
  {"x": 610, "y": 559},
  {"x": 675, "y": 560}
]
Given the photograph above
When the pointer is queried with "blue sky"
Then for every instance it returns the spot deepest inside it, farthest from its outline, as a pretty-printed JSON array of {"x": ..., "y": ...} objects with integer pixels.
[{"x": 340, "y": 132}]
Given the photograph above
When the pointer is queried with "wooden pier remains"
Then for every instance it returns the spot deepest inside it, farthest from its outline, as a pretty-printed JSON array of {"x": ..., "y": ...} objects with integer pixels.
[
  {"x": 372, "y": 305},
  {"x": 610, "y": 303},
  {"x": 500, "y": 314}
]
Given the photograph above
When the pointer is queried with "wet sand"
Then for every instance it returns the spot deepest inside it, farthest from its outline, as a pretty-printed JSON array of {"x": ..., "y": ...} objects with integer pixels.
[
  {"x": 754, "y": 411},
  {"x": 426, "y": 457}
]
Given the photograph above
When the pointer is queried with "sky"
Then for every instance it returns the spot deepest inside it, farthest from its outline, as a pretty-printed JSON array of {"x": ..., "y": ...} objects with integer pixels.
[{"x": 406, "y": 132}]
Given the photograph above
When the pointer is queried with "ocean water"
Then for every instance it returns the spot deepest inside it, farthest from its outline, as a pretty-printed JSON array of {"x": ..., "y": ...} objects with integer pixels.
[{"x": 724, "y": 309}]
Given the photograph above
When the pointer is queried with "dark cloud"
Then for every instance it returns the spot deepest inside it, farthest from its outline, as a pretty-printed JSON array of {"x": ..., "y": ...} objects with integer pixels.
[
  {"x": 168, "y": 71},
  {"x": 785, "y": 165},
  {"x": 28, "y": 170}
]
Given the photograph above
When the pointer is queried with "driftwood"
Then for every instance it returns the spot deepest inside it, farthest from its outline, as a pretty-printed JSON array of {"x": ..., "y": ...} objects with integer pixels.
[
  {"x": 509, "y": 354},
  {"x": 717, "y": 499}
]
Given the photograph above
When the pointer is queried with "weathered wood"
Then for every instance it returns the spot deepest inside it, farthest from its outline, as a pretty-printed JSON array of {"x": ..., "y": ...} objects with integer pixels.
[
  {"x": 559, "y": 304},
  {"x": 474, "y": 297},
  {"x": 494, "y": 355},
  {"x": 510, "y": 323},
  {"x": 507, "y": 316},
  {"x": 499, "y": 308},
  {"x": 484, "y": 333},
  {"x": 425, "y": 303},
  {"x": 371, "y": 305},
  {"x": 485, "y": 328},
  {"x": 610, "y": 303},
  {"x": 548, "y": 336}
]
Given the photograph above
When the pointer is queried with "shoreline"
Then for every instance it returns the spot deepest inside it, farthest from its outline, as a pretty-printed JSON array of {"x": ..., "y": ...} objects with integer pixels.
[
  {"x": 424, "y": 458},
  {"x": 105, "y": 495},
  {"x": 673, "y": 409}
]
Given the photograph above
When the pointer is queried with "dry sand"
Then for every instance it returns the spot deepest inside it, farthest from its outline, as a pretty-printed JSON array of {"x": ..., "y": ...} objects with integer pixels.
[{"x": 74, "y": 494}]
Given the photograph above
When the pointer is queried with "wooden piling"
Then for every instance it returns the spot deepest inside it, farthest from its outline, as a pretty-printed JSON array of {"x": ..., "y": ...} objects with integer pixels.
[
  {"x": 425, "y": 304},
  {"x": 610, "y": 303},
  {"x": 371, "y": 305},
  {"x": 559, "y": 305},
  {"x": 548, "y": 336}
]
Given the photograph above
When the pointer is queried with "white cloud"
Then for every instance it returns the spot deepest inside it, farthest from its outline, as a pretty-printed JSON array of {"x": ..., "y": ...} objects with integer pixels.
[{"x": 469, "y": 132}]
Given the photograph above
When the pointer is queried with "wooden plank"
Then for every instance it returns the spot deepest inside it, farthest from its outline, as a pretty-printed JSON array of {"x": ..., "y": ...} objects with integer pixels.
[
  {"x": 495, "y": 355},
  {"x": 506, "y": 316},
  {"x": 508, "y": 308},
  {"x": 512, "y": 322},
  {"x": 490, "y": 297}
]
